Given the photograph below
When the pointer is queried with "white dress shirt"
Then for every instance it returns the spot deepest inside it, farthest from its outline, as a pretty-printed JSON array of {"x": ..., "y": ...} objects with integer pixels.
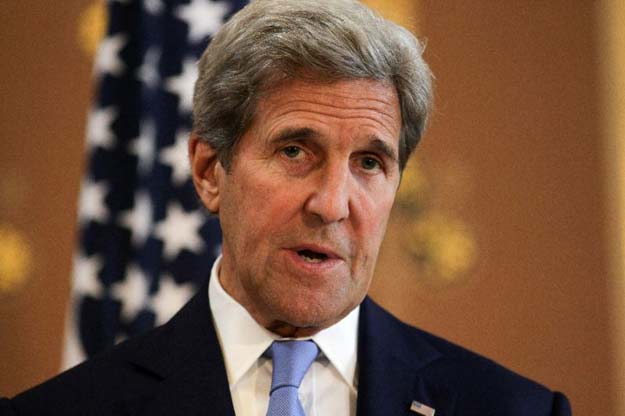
[{"x": 329, "y": 387}]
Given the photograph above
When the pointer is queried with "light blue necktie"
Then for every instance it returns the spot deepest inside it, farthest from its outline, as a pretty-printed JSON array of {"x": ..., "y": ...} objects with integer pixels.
[{"x": 291, "y": 361}]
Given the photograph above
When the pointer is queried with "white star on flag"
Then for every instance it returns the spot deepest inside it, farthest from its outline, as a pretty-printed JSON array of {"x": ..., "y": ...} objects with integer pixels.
[
  {"x": 171, "y": 296},
  {"x": 217, "y": 250},
  {"x": 154, "y": 6},
  {"x": 91, "y": 206},
  {"x": 204, "y": 17},
  {"x": 180, "y": 230},
  {"x": 148, "y": 71},
  {"x": 108, "y": 60},
  {"x": 139, "y": 218},
  {"x": 132, "y": 292},
  {"x": 177, "y": 157},
  {"x": 144, "y": 146},
  {"x": 99, "y": 127},
  {"x": 86, "y": 282},
  {"x": 182, "y": 84}
]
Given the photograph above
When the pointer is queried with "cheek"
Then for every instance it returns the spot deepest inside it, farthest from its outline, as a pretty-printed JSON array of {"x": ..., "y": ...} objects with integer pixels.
[
  {"x": 279, "y": 201},
  {"x": 371, "y": 227},
  {"x": 375, "y": 209},
  {"x": 260, "y": 209}
]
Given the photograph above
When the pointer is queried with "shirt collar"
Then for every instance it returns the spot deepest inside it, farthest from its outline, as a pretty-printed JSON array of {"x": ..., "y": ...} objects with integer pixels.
[{"x": 244, "y": 341}]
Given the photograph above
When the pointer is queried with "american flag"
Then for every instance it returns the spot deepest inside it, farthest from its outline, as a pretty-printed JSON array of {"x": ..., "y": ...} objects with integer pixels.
[{"x": 144, "y": 244}]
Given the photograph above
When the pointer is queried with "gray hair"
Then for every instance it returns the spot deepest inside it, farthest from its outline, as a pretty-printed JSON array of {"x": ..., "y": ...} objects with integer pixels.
[{"x": 323, "y": 40}]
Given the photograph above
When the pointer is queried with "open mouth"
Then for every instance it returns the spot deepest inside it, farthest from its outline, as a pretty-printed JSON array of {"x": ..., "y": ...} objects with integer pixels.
[{"x": 312, "y": 256}]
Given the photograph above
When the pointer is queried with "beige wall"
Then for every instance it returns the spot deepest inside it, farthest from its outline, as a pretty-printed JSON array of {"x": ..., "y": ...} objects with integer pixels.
[
  {"x": 612, "y": 41},
  {"x": 45, "y": 96},
  {"x": 514, "y": 152}
]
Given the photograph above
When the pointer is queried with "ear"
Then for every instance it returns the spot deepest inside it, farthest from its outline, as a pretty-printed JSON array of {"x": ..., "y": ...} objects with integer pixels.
[{"x": 206, "y": 171}]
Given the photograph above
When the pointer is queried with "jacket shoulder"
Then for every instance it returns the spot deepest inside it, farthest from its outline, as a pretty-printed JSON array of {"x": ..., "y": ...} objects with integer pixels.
[
  {"x": 96, "y": 386},
  {"x": 482, "y": 386},
  {"x": 182, "y": 356}
]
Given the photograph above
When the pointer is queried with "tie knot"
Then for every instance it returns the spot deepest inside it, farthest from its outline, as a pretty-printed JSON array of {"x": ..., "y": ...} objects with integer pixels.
[{"x": 291, "y": 360}]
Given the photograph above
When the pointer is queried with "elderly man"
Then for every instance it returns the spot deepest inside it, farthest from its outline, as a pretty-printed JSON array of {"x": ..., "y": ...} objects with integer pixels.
[{"x": 305, "y": 113}]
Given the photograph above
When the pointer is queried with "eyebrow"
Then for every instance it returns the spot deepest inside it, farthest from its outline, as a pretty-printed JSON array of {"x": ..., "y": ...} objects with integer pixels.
[
  {"x": 295, "y": 134},
  {"x": 383, "y": 147}
]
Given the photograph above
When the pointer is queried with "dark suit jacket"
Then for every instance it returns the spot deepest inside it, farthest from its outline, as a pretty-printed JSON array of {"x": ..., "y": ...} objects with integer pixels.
[{"x": 178, "y": 369}]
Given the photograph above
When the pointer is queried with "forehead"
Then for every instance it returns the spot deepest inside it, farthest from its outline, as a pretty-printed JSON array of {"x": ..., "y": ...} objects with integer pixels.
[{"x": 359, "y": 103}]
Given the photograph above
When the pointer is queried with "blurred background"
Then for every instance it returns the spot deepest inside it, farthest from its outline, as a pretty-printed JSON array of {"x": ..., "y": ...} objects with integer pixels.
[{"x": 508, "y": 234}]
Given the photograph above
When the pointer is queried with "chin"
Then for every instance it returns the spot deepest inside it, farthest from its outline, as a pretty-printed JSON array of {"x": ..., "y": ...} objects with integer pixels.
[
  {"x": 307, "y": 307},
  {"x": 312, "y": 315}
]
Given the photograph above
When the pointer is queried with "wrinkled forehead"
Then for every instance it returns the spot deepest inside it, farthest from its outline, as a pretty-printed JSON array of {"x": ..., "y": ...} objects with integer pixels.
[
  {"x": 367, "y": 103},
  {"x": 379, "y": 95}
]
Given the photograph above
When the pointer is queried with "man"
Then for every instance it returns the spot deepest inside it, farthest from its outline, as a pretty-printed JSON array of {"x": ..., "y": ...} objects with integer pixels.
[{"x": 305, "y": 113}]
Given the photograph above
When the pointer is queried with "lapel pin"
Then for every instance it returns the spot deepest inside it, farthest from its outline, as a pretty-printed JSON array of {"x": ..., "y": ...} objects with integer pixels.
[{"x": 421, "y": 409}]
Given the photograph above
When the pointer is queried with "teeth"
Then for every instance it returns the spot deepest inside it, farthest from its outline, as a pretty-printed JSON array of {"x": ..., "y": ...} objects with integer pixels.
[{"x": 310, "y": 259}]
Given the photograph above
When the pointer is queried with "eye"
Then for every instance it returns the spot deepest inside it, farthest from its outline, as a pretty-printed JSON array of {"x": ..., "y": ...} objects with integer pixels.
[
  {"x": 291, "y": 151},
  {"x": 370, "y": 163}
]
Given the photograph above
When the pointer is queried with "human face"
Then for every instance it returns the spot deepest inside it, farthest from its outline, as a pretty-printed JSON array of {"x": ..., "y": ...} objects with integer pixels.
[{"x": 305, "y": 203}]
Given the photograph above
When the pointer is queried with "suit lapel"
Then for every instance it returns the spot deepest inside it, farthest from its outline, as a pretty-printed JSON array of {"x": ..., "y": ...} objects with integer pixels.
[
  {"x": 391, "y": 360},
  {"x": 185, "y": 357},
  {"x": 185, "y": 354}
]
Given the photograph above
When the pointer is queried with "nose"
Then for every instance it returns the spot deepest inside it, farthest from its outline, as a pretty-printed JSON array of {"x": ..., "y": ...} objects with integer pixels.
[{"x": 330, "y": 197}]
